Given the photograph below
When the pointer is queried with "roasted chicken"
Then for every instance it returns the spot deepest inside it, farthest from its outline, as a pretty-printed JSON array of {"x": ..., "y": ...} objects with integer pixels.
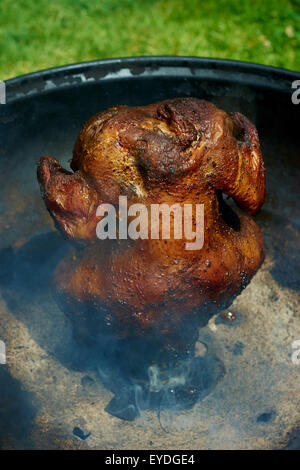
[{"x": 183, "y": 151}]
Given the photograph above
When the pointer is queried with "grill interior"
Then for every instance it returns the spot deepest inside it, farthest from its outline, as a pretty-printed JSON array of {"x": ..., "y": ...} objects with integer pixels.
[{"x": 56, "y": 394}]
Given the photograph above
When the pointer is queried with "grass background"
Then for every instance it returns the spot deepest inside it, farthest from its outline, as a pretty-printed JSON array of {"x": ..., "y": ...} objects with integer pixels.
[{"x": 37, "y": 34}]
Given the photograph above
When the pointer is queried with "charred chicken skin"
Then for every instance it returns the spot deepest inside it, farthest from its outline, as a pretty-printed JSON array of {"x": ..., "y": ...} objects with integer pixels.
[{"x": 183, "y": 151}]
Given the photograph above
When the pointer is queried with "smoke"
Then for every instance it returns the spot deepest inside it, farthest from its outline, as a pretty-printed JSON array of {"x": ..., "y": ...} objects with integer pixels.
[
  {"x": 143, "y": 374},
  {"x": 139, "y": 384}
]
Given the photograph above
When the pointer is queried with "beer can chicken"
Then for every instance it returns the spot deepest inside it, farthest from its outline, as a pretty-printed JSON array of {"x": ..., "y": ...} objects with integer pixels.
[{"x": 182, "y": 151}]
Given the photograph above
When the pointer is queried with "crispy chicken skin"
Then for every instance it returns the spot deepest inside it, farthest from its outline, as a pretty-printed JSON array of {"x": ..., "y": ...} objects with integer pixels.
[{"x": 183, "y": 151}]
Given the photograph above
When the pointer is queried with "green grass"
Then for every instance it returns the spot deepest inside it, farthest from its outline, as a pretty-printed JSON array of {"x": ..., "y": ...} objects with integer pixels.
[{"x": 37, "y": 34}]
